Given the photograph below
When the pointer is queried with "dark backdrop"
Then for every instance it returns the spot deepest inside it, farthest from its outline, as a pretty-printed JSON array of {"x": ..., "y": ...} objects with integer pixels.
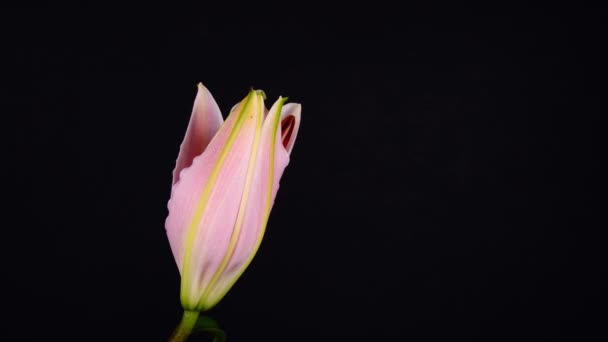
[{"x": 440, "y": 187}]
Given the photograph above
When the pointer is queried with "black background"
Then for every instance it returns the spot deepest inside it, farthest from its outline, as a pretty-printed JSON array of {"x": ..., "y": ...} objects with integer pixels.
[{"x": 440, "y": 186}]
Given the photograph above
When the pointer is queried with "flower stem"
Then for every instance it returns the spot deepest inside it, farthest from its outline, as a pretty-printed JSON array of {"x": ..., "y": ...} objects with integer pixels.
[{"x": 184, "y": 329}]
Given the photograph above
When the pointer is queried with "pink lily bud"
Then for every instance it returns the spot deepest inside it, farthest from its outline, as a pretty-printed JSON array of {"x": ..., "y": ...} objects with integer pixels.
[{"x": 224, "y": 185}]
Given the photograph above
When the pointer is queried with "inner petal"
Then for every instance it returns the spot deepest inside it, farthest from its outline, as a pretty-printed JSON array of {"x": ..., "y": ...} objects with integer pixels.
[{"x": 287, "y": 126}]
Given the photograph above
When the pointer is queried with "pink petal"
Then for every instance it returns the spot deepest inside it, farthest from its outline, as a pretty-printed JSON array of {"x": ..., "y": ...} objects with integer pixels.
[
  {"x": 208, "y": 222},
  {"x": 205, "y": 121},
  {"x": 260, "y": 198}
]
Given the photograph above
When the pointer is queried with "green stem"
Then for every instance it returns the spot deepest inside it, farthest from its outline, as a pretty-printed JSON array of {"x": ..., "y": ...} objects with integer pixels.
[{"x": 184, "y": 329}]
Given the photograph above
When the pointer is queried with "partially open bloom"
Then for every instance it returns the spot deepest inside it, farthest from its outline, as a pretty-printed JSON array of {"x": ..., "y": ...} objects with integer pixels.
[{"x": 224, "y": 185}]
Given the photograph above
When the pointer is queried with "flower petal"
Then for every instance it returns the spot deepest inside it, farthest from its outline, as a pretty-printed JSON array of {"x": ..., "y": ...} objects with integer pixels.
[
  {"x": 205, "y": 202},
  {"x": 205, "y": 121},
  {"x": 271, "y": 160}
]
